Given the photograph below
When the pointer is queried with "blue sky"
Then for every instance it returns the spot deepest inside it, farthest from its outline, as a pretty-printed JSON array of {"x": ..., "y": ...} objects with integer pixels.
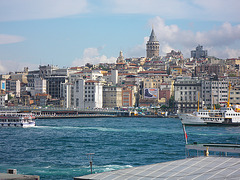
[{"x": 73, "y": 32}]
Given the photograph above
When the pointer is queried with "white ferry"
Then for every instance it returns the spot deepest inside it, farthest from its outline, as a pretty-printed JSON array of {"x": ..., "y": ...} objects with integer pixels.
[
  {"x": 225, "y": 116},
  {"x": 16, "y": 119}
]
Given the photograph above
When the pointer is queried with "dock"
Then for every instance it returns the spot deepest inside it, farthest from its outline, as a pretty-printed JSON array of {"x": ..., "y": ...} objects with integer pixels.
[
  {"x": 12, "y": 175},
  {"x": 190, "y": 168},
  {"x": 200, "y": 166}
]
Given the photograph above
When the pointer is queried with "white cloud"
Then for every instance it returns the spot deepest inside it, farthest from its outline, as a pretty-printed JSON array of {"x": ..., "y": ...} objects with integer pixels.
[
  {"x": 232, "y": 53},
  {"x": 28, "y": 9},
  {"x": 219, "y": 42},
  {"x": 7, "y": 66},
  {"x": 8, "y": 39},
  {"x": 138, "y": 50},
  {"x": 92, "y": 55},
  {"x": 218, "y": 10}
]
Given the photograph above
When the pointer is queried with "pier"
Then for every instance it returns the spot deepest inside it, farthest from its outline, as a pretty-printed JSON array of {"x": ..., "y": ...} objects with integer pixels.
[
  {"x": 50, "y": 113},
  {"x": 190, "y": 168},
  {"x": 47, "y": 113},
  {"x": 12, "y": 175},
  {"x": 198, "y": 167}
]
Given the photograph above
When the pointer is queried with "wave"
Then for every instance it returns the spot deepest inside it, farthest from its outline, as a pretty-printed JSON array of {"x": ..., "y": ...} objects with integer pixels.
[
  {"x": 104, "y": 129},
  {"x": 110, "y": 168},
  {"x": 215, "y": 134}
]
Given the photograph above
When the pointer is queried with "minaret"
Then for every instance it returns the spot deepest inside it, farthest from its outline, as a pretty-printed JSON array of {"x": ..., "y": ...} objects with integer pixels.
[{"x": 152, "y": 45}]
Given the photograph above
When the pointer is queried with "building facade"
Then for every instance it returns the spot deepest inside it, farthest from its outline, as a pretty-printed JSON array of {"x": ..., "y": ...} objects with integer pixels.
[
  {"x": 235, "y": 95},
  {"x": 187, "y": 92},
  {"x": 214, "y": 92},
  {"x": 93, "y": 97},
  {"x": 112, "y": 96},
  {"x": 199, "y": 52}
]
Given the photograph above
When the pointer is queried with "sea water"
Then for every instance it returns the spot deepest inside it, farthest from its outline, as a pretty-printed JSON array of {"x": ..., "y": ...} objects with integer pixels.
[{"x": 57, "y": 148}]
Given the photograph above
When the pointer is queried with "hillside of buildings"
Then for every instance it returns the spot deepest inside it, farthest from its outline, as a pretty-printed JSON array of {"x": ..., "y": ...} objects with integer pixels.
[{"x": 171, "y": 82}]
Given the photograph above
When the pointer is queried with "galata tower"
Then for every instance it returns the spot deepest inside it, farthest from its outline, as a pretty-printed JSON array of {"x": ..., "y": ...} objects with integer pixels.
[{"x": 152, "y": 46}]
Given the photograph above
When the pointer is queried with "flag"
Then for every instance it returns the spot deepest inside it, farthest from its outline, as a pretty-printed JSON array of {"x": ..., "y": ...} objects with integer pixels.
[{"x": 185, "y": 133}]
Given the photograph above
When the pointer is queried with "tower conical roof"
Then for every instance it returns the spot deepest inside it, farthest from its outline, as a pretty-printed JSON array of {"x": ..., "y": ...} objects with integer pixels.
[{"x": 153, "y": 37}]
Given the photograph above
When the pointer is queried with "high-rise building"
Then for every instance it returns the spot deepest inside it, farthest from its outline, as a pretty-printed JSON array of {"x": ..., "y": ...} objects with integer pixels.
[
  {"x": 152, "y": 45},
  {"x": 199, "y": 52}
]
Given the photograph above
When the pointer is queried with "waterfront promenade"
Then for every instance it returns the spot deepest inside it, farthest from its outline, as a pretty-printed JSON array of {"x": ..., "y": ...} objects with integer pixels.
[
  {"x": 50, "y": 113},
  {"x": 46, "y": 113}
]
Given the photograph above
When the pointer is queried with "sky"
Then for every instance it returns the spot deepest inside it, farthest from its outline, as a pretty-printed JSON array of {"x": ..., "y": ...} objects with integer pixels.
[{"x": 71, "y": 33}]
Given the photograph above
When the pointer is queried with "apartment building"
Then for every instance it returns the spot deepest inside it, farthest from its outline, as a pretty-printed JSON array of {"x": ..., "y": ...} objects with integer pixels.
[
  {"x": 40, "y": 86},
  {"x": 128, "y": 98},
  {"x": 93, "y": 94},
  {"x": 112, "y": 96},
  {"x": 235, "y": 95},
  {"x": 214, "y": 92},
  {"x": 186, "y": 94},
  {"x": 13, "y": 86},
  {"x": 2, "y": 98},
  {"x": 67, "y": 94},
  {"x": 54, "y": 85}
]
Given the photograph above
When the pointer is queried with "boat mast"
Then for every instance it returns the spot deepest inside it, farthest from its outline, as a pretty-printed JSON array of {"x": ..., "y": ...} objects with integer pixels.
[{"x": 229, "y": 88}]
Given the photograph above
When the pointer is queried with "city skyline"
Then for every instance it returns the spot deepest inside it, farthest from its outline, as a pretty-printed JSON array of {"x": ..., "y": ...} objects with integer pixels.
[{"x": 72, "y": 33}]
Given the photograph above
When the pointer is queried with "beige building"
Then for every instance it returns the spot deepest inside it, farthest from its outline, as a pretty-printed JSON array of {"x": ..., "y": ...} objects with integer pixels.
[
  {"x": 235, "y": 95},
  {"x": 112, "y": 96},
  {"x": 156, "y": 82},
  {"x": 2, "y": 97}
]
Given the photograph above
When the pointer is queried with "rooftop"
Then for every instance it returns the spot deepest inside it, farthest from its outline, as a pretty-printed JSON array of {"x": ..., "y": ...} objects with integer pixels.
[{"x": 190, "y": 168}]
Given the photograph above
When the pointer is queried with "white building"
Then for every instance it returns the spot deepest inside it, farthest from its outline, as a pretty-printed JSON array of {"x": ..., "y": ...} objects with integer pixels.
[
  {"x": 114, "y": 76},
  {"x": 67, "y": 94},
  {"x": 78, "y": 93},
  {"x": 40, "y": 86},
  {"x": 14, "y": 86},
  {"x": 93, "y": 94},
  {"x": 83, "y": 94},
  {"x": 214, "y": 92}
]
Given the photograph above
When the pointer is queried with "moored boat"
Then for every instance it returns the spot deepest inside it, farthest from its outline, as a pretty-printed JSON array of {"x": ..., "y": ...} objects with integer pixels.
[
  {"x": 16, "y": 119},
  {"x": 224, "y": 116},
  {"x": 227, "y": 115}
]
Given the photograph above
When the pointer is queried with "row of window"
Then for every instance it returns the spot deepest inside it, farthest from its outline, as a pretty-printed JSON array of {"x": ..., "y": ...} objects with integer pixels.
[
  {"x": 234, "y": 98},
  {"x": 89, "y": 99},
  {"x": 188, "y": 92},
  {"x": 181, "y": 88},
  {"x": 235, "y": 92},
  {"x": 212, "y": 82},
  {"x": 189, "y": 105},
  {"x": 219, "y": 99},
  {"x": 89, "y": 95},
  {"x": 214, "y": 87},
  {"x": 89, "y": 92},
  {"x": 233, "y": 114},
  {"x": 189, "y": 98}
]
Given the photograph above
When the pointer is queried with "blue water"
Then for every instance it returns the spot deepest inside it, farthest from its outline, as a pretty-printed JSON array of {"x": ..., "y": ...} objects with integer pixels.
[{"x": 57, "y": 148}]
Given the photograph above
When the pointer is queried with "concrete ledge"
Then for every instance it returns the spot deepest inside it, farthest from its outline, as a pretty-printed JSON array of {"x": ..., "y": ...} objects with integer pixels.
[{"x": 6, "y": 176}]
